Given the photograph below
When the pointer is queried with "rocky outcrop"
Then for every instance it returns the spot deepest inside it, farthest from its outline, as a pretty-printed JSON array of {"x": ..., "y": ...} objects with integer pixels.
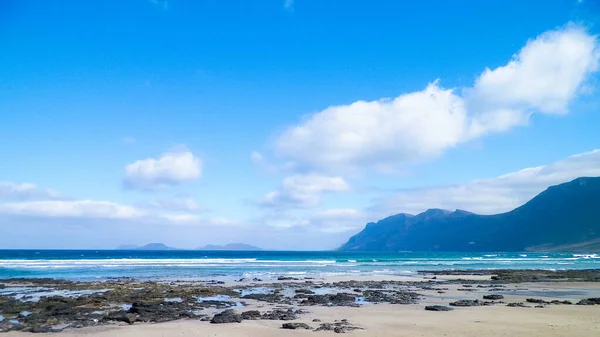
[
  {"x": 227, "y": 316},
  {"x": 438, "y": 308}
]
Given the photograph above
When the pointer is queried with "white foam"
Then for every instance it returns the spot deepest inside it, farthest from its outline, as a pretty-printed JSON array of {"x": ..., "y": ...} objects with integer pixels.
[{"x": 118, "y": 263}]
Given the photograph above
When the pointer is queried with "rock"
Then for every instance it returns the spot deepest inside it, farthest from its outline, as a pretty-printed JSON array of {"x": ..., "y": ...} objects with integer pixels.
[
  {"x": 316, "y": 320},
  {"x": 493, "y": 297},
  {"x": 325, "y": 327},
  {"x": 251, "y": 315},
  {"x": 540, "y": 306},
  {"x": 438, "y": 308},
  {"x": 517, "y": 304},
  {"x": 339, "y": 299},
  {"x": 304, "y": 291},
  {"x": 127, "y": 318},
  {"x": 561, "y": 302},
  {"x": 286, "y": 278},
  {"x": 294, "y": 326},
  {"x": 465, "y": 303},
  {"x": 227, "y": 316},
  {"x": 392, "y": 297},
  {"x": 281, "y": 315},
  {"x": 536, "y": 300},
  {"x": 589, "y": 301},
  {"x": 270, "y": 298}
]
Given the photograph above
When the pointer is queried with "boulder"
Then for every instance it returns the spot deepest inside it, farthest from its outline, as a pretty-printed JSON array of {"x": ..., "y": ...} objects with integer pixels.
[
  {"x": 493, "y": 297},
  {"x": 227, "y": 316},
  {"x": 465, "y": 303},
  {"x": 438, "y": 308},
  {"x": 251, "y": 315},
  {"x": 294, "y": 326}
]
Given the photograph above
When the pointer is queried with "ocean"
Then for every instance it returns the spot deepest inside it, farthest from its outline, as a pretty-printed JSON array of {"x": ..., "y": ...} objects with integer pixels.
[{"x": 91, "y": 265}]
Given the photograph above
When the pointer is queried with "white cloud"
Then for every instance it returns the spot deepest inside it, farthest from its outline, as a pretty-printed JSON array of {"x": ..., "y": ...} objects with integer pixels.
[
  {"x": 171, "y": 168},
  {"x": 79, "y": 209},
  {"x": 337, "y": 220},
  {"x": 27, "y": 191},
  {"x": 494, "y": 195},
  {"x": 544, "y": 77},
  {"x": 174, "y": 204},
  {"x": 104, "y": 210},
  {"x": 289, "y": 5},
  {"x": 300, "y": 191}
]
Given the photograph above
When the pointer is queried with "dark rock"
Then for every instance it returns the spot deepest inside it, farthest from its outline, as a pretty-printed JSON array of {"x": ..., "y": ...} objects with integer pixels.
[
  {"x": 339, "y": 299},
  {"x": 493, "y": 297},
  {"x": 270, "y": 298},
  {"x": 227, "y": 316},
  {"x": 286, "y": 278},
  {"x": 294, "y": 326},
  {"x": 465, "y": 303},
  {"x": 561, "y": 302},
  {"x": 325, "y": 327},
  {"x": 589, "y": 301},
  {"x": 540, "y": 306},
  {"x": 128, "y": 318},
  {"x": 316, "y": 320},
  {"x": 281, "y": 315},
  {"x": 517, "y": 305},
  {"x": 251, "y": 315},
  {"x": 392, "y": 297},
  {"x": 438, "y": 308},
  {"x": 536, "y": 300}
]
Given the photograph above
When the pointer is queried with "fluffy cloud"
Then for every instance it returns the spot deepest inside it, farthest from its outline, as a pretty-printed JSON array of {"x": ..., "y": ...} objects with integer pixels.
[
  {"x": 544, "y": 77},
  {"x": 171, "y": 168},
  {"x": 174, "y": 204},
  {"x": 82, "y": 208},
  {"x": 337, "y": 220},
  {"x": 494, "y": 195},
  {"x": 288, "y": 5},
  {"x": 301, "y": 191},
  {"x": 90, "y": 210},
  {"x": 27, "y": 191}
]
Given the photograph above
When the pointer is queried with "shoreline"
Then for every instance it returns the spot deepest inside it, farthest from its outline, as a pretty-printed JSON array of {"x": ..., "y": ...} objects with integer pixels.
[{"x": 138, "y": 308}]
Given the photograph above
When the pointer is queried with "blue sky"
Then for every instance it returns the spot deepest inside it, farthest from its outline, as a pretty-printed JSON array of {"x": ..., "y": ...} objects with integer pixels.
[{"x": 284, "y": 124}]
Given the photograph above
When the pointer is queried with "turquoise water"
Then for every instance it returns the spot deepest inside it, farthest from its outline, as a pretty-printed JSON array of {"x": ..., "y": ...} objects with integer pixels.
[{"x": 93, "y": 265}]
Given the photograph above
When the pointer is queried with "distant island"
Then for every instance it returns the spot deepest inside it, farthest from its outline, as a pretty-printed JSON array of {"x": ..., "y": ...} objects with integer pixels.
[
  {"x": 229, "y": 246},
  {"x": 150, "y": 246},
  {"x": 563, "y": 218}
]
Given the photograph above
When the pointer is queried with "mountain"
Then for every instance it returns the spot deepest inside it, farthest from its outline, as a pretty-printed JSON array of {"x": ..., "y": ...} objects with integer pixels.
[
  {"x": 126, "y": 247},
  {"x": 564, "y": 217},
  {"x": 155, "y": 246},
  {"x": 229, "y": 246}
]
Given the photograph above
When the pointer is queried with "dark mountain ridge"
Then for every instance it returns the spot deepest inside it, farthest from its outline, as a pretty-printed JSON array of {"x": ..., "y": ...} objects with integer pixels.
[{"x": 564, "y": 217}]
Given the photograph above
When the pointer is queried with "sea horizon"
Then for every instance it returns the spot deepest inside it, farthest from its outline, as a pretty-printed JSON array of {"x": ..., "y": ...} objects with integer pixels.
[{"x": 98, "y": 264}]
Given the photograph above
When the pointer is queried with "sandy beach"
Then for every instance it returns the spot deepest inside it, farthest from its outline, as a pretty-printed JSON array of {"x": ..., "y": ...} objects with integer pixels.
[
  {"x": 384, "y": 319},
  {"x": 388, "y": 320}
]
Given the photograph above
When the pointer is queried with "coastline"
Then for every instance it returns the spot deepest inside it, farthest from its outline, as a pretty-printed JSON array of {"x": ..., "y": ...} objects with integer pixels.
[{"x": 371, "y": 306}]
